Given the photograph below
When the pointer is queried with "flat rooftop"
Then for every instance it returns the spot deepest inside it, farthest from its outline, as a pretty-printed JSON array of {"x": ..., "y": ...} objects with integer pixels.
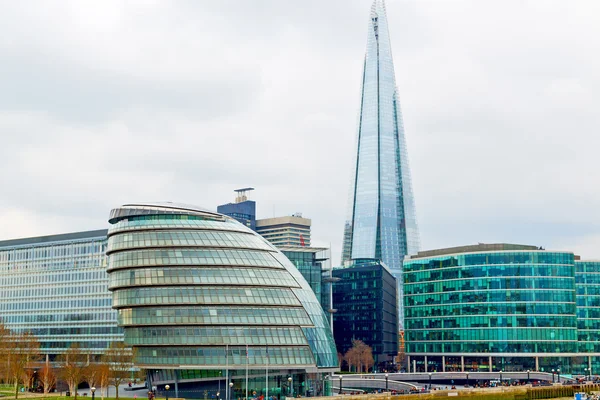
[
  {"x": 474, "y": 248},
  {"x": 63, "y": 237}
]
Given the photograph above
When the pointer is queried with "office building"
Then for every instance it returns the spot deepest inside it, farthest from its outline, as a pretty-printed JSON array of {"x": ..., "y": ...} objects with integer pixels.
[
  {"x": 288, "y": 231},
  {"x": 243, "y": 210},
  {"x": 587, "y": 280},
  {"x": 56, "y": 287},
  {"x": 382, "y": 220},
  {"x": 315, "y": 266},
  {"x": 497, "y": 307},
  {"x": 365, "y": 298},
  {"x": 206, "y": 301}
]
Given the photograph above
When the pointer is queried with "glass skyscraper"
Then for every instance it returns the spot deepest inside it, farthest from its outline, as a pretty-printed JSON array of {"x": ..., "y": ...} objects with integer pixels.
[{"x": 382, "y": 219}]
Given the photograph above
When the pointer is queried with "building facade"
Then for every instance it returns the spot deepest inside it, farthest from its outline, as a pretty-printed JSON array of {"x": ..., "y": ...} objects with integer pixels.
[
  {"x": 243, "y": 210},
  {"x": 206, "y": 301},
  {"x": 587, "y": 279},
  {"x": 365, "y": 298},
  {"x": 499, "y": 307},
  {"x": 382, "y": 220},
  {"x": 288, "y": 231},
  {"x": 56, "y": 287}
]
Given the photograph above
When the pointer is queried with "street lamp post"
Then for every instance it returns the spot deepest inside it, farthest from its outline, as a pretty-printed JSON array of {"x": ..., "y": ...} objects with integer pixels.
[
  {"x": 386, "y": 382},
  {"x": 528, "y": 376},
  {"x": 500, "y": 377},
  {"x": 230, "y": 390},
  {"x": 552, "y": 375},
  {"x": 167, "y": 387},
  {"x": 93, "y": 390},
  {"x": 340, "y": 392},
  {"x": 467, "y": 379},
  {"x": 586, "y": 373},
  {"x": 558, "y": 372},
  {"x": 430, "y": 381},
  {"x": 291, "y": 389}
]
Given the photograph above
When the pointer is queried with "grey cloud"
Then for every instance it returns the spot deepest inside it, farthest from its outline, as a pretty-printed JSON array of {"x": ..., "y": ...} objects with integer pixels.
[{"x": 185, "y": 101}]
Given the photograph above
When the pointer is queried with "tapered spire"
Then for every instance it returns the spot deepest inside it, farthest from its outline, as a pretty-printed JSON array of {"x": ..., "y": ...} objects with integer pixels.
[{"x": 382, "y": 219}]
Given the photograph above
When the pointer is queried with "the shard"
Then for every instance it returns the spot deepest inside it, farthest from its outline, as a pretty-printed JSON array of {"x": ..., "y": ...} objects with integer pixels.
[{"x": 382, "y": 220}]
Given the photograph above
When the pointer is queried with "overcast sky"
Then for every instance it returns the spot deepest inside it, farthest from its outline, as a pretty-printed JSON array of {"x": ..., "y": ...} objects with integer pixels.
[{"x": 108, "y": 102}]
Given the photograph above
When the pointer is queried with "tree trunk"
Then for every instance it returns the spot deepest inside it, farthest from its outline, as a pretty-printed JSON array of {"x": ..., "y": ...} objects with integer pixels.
[
  {"x": 16, "y": 388},
  {"x": 117, "y": 392}
]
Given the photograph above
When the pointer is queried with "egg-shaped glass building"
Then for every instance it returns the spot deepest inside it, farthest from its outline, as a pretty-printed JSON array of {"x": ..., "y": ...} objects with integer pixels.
[{"x": 207, "y": 305}]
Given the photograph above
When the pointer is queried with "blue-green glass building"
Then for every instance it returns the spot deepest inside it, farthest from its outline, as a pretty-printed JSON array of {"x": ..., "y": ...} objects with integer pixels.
[
  {"x": 587, "y": 279},
  {"x": 206, "y": 301},
  {"x": 497, "y": 307}
]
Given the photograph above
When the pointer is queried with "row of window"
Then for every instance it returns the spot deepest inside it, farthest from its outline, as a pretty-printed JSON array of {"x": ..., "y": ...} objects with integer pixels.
[
  {"x": 163, "y": 223},
  {"x": 57, "y": 250},
  {"x": 186, "y": 238},
  {"x": 195, "y": 295},
  {"x": 142, "y": 258},
  {"x": 201, "y": 276},
  {"x": 484, "y": 259},
  {"x": 203, "y": 336},
  {"x": 42, "y": 279},
  {"x": 70, "y": 331},
  {"x": 530, "y": 282},
  {"x": 587, "y": 269},
  {"x": 38, "y": 317},
  {"x": 490, "y": 309},
  {"x": 492, "y": 347},
  {"x": 492, "y": 296},
  {"x": 63, "y": 289},
  {"x": 485, "y": 321},
  {"x": 494, "y": 334},
  {"x": 214, "y": 316},
  {"x": 71, "y": 304},
  {"x": 69, "y": 263},
  {"x": 490, "y": 271},
  {"x": 240, "y": 357}
]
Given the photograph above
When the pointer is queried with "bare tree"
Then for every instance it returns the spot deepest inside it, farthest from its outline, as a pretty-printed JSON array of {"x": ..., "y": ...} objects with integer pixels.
[
  {"x": 4, "y": 336},
  {"x": 22, "y": 351},
  {"x": 47, "y": 377},
  {"x": 73, "y": 364},
  {"x": 360, "y": 356},
  {"x": 119, "y": 359},
  {"x": 103, "y": 379}
]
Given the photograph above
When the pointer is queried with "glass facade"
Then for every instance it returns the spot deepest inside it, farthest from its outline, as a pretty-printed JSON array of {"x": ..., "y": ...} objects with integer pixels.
[
  {"x": 507, "y": 310},
  {"x": 382, "y": 218},
  {"x": 366, "y": 299},
  {"x": 587, "y": 278},
  {"x": 56, "y": 287},
  {"x": 189, "y": 293}
]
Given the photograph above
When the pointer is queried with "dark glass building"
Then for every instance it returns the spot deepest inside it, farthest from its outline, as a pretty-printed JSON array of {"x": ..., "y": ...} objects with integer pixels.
[
  {"x": 382, "y": 221},
  {"x": 206, "y": 301},
  {"x": 243, "y": 210},
  {"x": 365, "y": 299},
  {"x": 491, "y": 307}
]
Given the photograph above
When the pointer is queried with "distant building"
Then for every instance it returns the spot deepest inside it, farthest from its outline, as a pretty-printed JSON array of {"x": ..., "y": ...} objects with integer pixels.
[
  {"x": 288, "y": 231},
  {"x": 56, "y": 287},
  {"x": 314, "y": 265},
  {"x": 366, "y": 303},
  {"x": 243, "y": 210}
]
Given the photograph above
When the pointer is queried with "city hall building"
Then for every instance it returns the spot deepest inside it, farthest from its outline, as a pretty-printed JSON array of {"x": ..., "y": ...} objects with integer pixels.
[
  {"x": 207, "y": 303},
  {"x": 501, "y": 307}
]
